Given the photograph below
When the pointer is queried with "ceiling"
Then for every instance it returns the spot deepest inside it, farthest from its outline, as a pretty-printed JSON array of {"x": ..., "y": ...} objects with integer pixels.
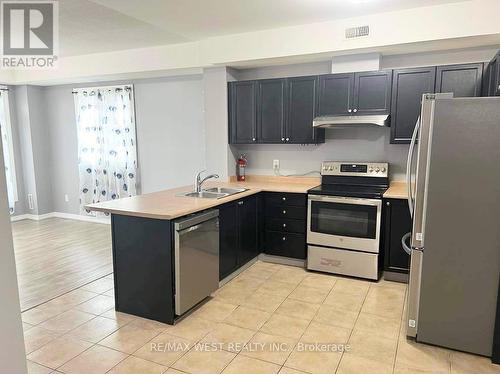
[{"x": 94, "y": 26}]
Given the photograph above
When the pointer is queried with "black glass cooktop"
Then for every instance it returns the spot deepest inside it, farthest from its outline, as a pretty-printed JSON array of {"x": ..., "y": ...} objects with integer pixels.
[{"x": 349, "y": 190}]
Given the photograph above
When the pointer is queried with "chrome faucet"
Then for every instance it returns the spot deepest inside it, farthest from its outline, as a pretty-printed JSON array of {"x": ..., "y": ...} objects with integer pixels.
[{"x": 198, "y": 181}]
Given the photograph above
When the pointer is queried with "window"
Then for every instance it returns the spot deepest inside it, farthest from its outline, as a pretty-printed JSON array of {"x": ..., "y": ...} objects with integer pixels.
[
  {"x": 8, "y": 148},
  {"x": 107, "y": 151}
]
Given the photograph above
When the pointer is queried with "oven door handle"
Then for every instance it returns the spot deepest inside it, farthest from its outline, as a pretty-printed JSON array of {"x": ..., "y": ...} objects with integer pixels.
[{"x": 346, "y": 200}]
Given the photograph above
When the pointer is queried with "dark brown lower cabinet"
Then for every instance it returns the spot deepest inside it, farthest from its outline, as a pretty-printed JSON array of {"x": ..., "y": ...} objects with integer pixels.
[
  {"x": 285, "y": 224},
  {"x": 143, "y": 267},
  {"x": 495, "y": 358},
  {"x": 239, "y": 237},
  {"x": 396, "y": 223}
]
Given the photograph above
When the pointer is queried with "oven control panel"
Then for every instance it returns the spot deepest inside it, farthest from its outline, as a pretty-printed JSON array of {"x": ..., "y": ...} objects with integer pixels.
[{"x": 356, "y": 169}]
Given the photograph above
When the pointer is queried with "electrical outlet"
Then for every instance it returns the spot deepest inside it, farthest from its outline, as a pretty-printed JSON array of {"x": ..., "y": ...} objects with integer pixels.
[
  {"x": 31, "y": 204},
  {"x": 276, "y": 164},
  {"x": 66, "y": 198}
]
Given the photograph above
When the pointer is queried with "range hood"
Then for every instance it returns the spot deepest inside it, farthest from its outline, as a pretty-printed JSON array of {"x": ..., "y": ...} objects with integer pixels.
[{"x": 325, "y": 122}]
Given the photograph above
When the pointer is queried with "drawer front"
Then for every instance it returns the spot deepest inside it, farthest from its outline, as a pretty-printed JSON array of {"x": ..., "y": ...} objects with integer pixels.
[
  {"x": 286, "y": 225},
  {"x": 339, "y": 261},
  {"x": 285, "y": 244},
  {"x": 288, "y": 199},
  {"x": 293, "y": 212}
]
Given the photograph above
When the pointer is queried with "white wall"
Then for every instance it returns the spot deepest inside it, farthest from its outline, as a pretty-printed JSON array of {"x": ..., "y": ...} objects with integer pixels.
[
  {"x": 22, "y": 124},
  {"x": 170, "y": 131},
  {"x": 216, "y": 121},
  {"x": 20, "y": 205},
  {"x": 355, "y": 144},
  {"x": 12, "y": 354},
  {"x": 41, "y": 148}
]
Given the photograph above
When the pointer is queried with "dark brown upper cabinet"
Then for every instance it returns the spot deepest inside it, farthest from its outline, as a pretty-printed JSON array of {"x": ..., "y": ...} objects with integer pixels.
[
  {"x": 361, "y": 93},
  {"x": 463, "y": 80},
  {"x": 408, "y": 86},
  {"x": 301, "y": 110},
  {"x": 274, "y": 111},
  {"x": 336, "y": 94},
  {"x": 492, "y": 81},
  {"x": 372, "y": 92},
  {"x": 243, "y": 112},
  {"x": 271, "y": 99}
]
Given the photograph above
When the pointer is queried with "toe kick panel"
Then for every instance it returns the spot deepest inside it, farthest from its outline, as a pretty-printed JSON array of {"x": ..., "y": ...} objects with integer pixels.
[{"x": 341, "y": 261}]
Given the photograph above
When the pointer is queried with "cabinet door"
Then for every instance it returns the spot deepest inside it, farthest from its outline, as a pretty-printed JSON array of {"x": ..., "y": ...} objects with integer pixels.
[
  {"x": 408, "y": 86},
  {"x": 397, "y": 224},
  {"x": 228, "y": 234},
  {"x": 462, "y": 80},
  {"x": 247, "y": 217},
  {"x": 243, "y": 100},
  {"x": 286, "y": 244},
  {"x": 301, "y": 111},
  {"x": 495, "y": 76},
  {"x": 372, "y": 92},
  {"x": 336, "y": 93},
  {"x": 271, "y": 111}
]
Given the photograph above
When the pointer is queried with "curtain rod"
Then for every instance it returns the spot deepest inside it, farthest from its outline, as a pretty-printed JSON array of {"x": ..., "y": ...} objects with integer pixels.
[{"x": 117, "y": 87}]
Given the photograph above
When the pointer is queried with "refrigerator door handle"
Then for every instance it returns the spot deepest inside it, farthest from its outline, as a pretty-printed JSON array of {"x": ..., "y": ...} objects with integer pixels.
[{"x": 409, "y": 163}]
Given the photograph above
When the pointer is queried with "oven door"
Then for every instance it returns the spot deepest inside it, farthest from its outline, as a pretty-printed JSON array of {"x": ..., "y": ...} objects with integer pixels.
[{"x": 344, "y": 222}]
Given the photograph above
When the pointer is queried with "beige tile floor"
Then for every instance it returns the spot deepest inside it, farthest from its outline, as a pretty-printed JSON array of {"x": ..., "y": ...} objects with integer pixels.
[{"x": 270, "y": 319}]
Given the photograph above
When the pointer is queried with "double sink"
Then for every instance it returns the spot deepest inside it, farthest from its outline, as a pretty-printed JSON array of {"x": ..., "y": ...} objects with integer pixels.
[{"x": 215, "y": 192}]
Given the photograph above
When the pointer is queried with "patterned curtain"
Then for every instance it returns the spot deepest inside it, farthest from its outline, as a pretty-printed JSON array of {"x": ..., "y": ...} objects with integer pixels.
[
  {"x": 7, "y": 150},
  {"x": 107, "y": 152}
]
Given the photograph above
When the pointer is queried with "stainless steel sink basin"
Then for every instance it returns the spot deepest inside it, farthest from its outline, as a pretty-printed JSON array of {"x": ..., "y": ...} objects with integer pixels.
[
  {"x": 205, "y": 195},
  {"x": 225, "y": 190},
  {"x": 214, "y": 192}
]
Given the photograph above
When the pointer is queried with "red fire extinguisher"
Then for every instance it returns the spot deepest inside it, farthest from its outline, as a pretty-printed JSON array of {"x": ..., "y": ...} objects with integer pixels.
[{"x": 241, "y": 164}]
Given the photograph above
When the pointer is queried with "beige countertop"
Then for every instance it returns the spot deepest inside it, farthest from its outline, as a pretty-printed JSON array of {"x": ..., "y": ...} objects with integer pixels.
[
  {"x": 397, "y": 190},
  {"x": 168, "y": 205}
]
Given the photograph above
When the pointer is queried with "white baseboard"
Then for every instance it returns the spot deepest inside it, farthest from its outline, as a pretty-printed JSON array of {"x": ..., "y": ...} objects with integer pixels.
[
  {"x": 78, "y": 217},
  {"x": 36, "y": 217}
]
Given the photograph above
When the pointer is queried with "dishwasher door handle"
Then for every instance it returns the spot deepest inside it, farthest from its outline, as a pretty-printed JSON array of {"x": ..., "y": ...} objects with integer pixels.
[{"x": 189, "y": 229}]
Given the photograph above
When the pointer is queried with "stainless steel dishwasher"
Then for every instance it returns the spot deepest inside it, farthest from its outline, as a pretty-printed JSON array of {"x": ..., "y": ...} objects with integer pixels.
[{"x": 196, "y": 259}]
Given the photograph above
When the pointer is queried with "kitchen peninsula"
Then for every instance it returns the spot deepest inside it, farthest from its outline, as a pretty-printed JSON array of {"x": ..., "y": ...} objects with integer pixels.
[{"x": 143, "y": 232}]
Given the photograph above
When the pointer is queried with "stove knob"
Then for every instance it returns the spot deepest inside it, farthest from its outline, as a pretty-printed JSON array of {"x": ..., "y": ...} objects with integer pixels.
[
  {"x": 370, "y": 170},
  {"x": 377, "y": 170},
  {"x": 383, "y": 170},
  {"x": 330, "y": 168}
]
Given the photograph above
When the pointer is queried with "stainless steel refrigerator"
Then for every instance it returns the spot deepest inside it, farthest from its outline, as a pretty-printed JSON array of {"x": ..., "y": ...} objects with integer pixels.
[{"x": 454, "y": 198}]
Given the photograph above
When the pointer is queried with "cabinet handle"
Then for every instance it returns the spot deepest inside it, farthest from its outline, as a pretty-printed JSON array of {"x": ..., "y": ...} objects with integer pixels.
[
  {"x": 283, "y": 198},
  {"x": 349, "y": 110},
  {"x": 240, "y": 202},
  {"x": 355, "y": 110},
  {"x": 284, "y": 238},
  {"x": 287, "y": 139},
  {"x": 284, "y": 225},
  {"x": 253, "y": 139},
  {"x": 388, "y": 203},
  {"x": 284, "y": 212}
]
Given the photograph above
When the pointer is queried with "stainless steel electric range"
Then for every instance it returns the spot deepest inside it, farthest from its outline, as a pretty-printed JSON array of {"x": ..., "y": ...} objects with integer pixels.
[{"x": 343, "y": 218}]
